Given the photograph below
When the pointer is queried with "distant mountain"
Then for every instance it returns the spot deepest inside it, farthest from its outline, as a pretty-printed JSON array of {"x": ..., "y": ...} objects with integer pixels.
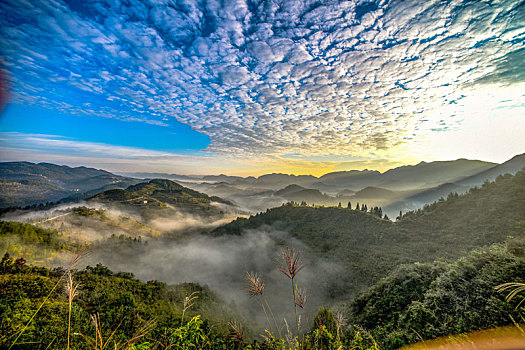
[
  {"x": 430, "y": 195},
  {"x": 354, "y": 179},
  {"x": 25, "y": 183},
  {"x": 431, "y": 174},
  {"x": 278, "y": 179},
  {"x": 299, "y": 194},
  {"x": 160, "y": 193},
  {"x": 422, "y": 175},
  {"x": 290, "y": 189},
  {"x": 375, "y": 192},
  {"x": 512, "y": 166}
]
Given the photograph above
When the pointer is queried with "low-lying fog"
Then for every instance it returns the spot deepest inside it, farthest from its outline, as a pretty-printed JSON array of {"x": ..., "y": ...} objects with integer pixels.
[{"x": 220, "y": 262}]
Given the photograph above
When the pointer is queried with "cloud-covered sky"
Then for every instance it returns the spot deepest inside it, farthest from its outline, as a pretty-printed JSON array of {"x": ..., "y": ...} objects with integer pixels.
[{"x": 274, "y": 84}]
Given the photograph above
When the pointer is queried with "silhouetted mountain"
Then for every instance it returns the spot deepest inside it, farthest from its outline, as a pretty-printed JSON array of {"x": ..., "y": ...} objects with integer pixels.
[
  {"x": 430, "y": 195},
  {"x": 431, "y": 174},
  {"x": 512, "y": 166},
  {"x": 375, "y": 192},
  {"x": 289, "y": 190},
  {"x": 278, "y": 179},
  {"x": 422, "y": 175}
]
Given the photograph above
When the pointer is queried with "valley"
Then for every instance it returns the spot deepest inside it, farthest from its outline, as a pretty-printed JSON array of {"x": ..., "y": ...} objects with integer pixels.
[{"x": 162, "y": 230}]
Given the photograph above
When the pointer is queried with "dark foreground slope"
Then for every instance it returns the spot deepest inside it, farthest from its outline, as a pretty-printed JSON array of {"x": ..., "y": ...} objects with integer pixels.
[{"x": 369, "y": 247}]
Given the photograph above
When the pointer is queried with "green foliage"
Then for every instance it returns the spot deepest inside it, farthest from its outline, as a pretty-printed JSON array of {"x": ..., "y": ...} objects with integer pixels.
[
  {"x": 85, "y": 211},
  {"x": 370, "y": 247},
  {"x": 161, "y": 193},
  {"x": 326, "y": 319},
  {"x": 425, "y": 301},
  {"x": 43, "y": 246},
  {"x": 118, "y": 299},
  {"x": 190, "y": 336}
]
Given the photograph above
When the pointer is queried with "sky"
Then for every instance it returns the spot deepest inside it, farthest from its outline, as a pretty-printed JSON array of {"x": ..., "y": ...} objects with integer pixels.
[{"x": 252, "y": 87}]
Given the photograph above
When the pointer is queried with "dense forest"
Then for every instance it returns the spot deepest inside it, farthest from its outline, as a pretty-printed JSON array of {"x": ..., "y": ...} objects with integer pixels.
[{"x": 425, "y": 301}]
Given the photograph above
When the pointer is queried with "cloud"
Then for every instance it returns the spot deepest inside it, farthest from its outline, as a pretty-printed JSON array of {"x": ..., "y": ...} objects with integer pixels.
[{"x": 350, "y": 78}]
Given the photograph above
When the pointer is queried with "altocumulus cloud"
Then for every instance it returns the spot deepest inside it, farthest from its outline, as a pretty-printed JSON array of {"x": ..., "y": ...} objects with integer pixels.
[{"x": 272, "y": 77}]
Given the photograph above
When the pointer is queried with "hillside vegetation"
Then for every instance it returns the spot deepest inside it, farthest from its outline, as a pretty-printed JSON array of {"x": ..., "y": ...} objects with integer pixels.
[
  {"x": 426, "y": 301},
  {"x": 161, "y": 193},
  {"x": 41, "y": 246},
  {"x": 122, "y": 304},
  {"x": 25, "y": 183},
  {"x": 369, "y": 247}
]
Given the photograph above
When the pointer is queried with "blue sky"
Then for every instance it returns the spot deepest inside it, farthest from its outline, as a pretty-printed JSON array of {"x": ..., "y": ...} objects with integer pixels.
[
  {"x": 247, "y": 87},
  {"x": 172, "y": 137}
]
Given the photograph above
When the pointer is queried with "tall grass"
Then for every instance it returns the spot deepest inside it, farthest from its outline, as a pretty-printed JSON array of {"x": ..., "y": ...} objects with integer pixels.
[
  {"x": 72, "y": 264},
  {"x": 290, "y": 265}
]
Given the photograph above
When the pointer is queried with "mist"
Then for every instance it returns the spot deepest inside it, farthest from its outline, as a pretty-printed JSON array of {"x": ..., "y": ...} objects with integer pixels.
[
  {"x": 221, "y": 264},
  {"x": 175, "y": 247}
]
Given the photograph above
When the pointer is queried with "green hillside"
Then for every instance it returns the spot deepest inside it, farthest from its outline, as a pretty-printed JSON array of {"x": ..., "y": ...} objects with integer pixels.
[
  {"x": 482, "y": 216},
  {"x": 369, "y": 247},
  {"x": 25, "y": 183},
  {"x": 121, "y": 302},
  {"x": 40, "y": 246},
  {"x": 160, "y": 193},
  {"x": 426, "y": 301}
]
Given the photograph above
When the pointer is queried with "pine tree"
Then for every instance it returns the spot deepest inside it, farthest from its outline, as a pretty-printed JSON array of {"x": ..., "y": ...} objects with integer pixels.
[
  {"x": 349, "y": 205},
  {"x": 357, "y": 207}
]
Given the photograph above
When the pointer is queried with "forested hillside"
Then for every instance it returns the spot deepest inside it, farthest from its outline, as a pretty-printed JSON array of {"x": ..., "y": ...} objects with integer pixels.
[
  {"x": 160, "y": 193},
  {"x": 25, "y": 183},
  {"x": 426, "y": 301},
  {"x": 369, "y": 246}
]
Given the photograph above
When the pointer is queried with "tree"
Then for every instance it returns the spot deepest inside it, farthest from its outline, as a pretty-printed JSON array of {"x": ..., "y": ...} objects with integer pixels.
[
  {"x": 349, "y": 206},
  {"x": 357, "y": 207}
]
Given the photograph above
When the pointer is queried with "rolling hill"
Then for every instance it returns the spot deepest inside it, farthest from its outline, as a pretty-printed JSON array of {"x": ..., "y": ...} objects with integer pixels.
[
  {"x": 159, "y": 193},
  {"x": 430, "y": 195}
]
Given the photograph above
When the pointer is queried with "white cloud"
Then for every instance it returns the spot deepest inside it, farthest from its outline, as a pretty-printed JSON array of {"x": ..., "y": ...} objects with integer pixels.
[{"x": 287, "y": 76}]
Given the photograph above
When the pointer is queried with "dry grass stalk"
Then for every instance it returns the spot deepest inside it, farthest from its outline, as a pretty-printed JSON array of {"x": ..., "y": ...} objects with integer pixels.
[
  {"x": 255, "y": 286},
  {"x": 290, "y": 264},
  {"x": 300, "y": 297},
  {"x": 515, "y": 287},
  {"x": 339, "y": 323},
  {"x": 236, "y": 333},
  {"x": 98, "y": 342},
  {"x": 188, "y": 303},
  {"x": 71, "y": 291}
]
